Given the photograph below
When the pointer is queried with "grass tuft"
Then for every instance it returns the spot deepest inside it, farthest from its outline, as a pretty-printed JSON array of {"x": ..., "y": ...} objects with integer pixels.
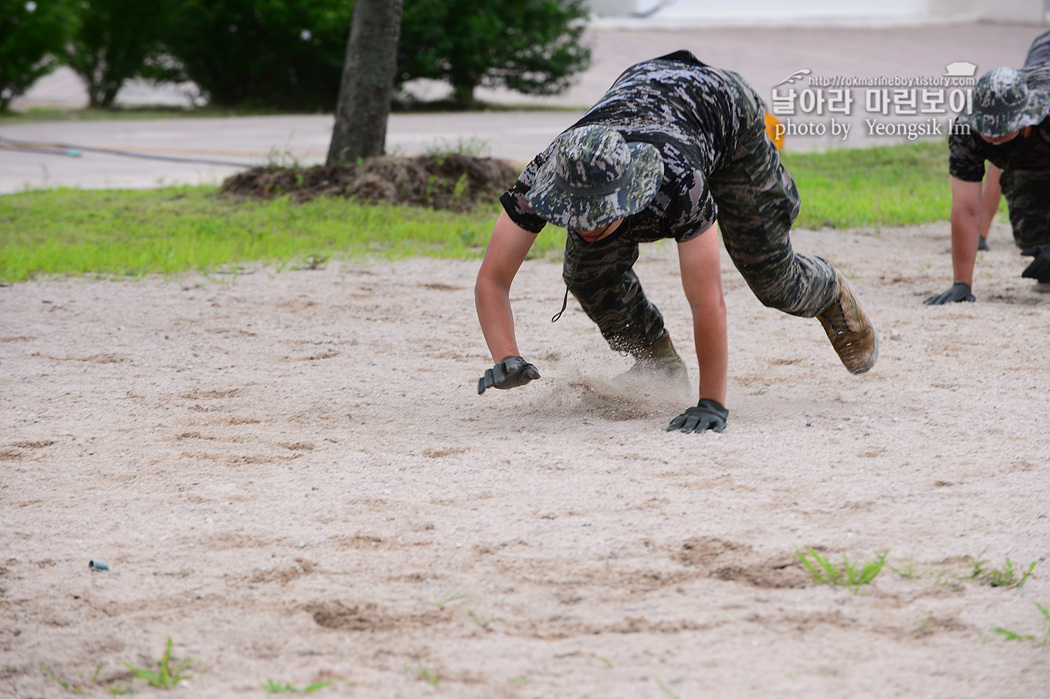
[
  {"x": 1041, "y": 640},
  {"x": 169, "y": 672},
  {"x": 849, "y": 575},
  {"x": 1006, "y": 576},
  {"x": 908, "y": 570},
  {"x": 275, "y": 687},
  {"x": 113, "y": 687},
  {"x": 61, "y": 681},
  {"x": 425, "y": 674},
  {"x": 482, "y": 622},
  {"x": 448, "y": 599}
]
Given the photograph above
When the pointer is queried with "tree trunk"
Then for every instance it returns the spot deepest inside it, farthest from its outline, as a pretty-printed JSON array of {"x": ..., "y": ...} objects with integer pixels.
[
  {"x": 368, "y": 81},
  {"x": 463, "y": 93}
]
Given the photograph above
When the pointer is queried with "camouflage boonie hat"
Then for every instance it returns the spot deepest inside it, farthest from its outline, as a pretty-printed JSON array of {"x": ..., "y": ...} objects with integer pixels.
[
  {"x": 1003, "y": 103},
  {"x": 594, "y": 178}
]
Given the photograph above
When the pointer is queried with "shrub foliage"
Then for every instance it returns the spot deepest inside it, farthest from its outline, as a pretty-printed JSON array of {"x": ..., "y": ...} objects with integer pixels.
[
  {"x": 286, "y": 54},
  {"x": 529, "y": 46},
  {"x": 32, "y": 36},
  {"x": 116, "y": 40}
]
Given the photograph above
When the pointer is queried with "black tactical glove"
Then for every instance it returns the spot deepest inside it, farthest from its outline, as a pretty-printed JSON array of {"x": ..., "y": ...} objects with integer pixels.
[
  {"x": 510, "y": 373},
  {"x": 707, "y": 415},
  {"x": 960, "y": 291},
  {"x": 1039, "y": 270}
]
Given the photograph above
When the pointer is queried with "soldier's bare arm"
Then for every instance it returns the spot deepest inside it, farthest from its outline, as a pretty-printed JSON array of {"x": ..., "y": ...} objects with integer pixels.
[
  {"x": 966, "y": 216},
  {"x": 503, "y": 257},
  {"x": 702, "y": 282}
]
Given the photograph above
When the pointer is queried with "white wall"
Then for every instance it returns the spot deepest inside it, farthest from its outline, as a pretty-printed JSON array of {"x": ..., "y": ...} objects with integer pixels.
[
  {"x": 1023, "y": 11},
  {"x": 751, "y": 12}
]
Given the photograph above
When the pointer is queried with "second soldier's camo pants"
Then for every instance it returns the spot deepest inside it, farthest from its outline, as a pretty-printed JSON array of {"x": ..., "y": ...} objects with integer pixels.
[{"x": 757, "y": 204}]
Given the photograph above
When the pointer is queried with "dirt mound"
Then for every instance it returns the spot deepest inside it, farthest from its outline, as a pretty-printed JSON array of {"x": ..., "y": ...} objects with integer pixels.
[{"x": 456, "y": 182}]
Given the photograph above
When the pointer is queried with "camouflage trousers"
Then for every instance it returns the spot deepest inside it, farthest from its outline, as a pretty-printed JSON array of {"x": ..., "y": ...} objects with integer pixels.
[
  {"x": 757, "y": 204},
  {"x": 1027, "y": 192}
]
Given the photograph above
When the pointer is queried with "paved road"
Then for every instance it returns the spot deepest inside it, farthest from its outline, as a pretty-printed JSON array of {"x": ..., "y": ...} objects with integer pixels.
[{"x": 208, "y": 150}]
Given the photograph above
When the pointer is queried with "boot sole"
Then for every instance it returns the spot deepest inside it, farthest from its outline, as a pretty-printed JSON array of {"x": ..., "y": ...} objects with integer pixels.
[
  {"x": 875, "y": 350},
  {"x": 874, "y": 355}
]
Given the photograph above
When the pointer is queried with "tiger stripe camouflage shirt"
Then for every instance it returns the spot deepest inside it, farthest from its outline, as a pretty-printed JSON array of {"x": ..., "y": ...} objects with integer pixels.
[
  {"x": 688, "y": 111},
  {"x": 968, "y": 153}
]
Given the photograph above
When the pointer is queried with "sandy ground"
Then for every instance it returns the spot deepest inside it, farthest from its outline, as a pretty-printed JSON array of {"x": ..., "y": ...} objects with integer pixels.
[{"x": 291, "y": 475}]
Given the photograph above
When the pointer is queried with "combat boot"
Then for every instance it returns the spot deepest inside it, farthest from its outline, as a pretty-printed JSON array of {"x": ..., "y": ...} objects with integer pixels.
[
  {"x": 851, "y": 333},
  {"x": 658, "y": 361}
]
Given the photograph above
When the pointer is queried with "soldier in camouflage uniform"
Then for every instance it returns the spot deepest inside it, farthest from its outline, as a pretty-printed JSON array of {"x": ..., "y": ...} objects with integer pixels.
[
  {"x": 1009, "y": 128},
  {"x": 673, "y": 146}
]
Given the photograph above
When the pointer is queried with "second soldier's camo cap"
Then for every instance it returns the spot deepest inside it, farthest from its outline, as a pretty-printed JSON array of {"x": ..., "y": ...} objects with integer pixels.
[
  {"x": 594, "y": 178},
  {"x": 1003, "y": 103}
]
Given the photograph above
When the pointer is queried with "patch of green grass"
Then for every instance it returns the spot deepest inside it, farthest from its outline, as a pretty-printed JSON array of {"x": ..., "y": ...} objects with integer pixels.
[
  {"x": 1011, "y": 636},
  {"x": 1006, "y": 576},
  {"x": 482, "y": 622},
  {"x": 274, "y": 687},
  {"x": 425, "y": 673},
  {"x": 1043, "y": 639},
  {"x": 114, "y": 688},
  {"x": 849, "y": 575},
  {"x": 924, "y": 625},
  {"x": 170, "y": 671},
  {"x": 62, "y": 682},
  {"x": 907, "y": 570},
  {"x": 120, "y": 233},
  {"x": 175, "y": 230},
  {"x": 898, "y": 185},
  {"x": 448, "y": 599}
]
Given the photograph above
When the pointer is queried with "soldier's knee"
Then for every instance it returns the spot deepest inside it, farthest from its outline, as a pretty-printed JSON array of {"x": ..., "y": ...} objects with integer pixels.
[
  {"x": 773, "y": 299},
  {"x": 767, "y": 283},
  {"x": 575, "y": 286}
]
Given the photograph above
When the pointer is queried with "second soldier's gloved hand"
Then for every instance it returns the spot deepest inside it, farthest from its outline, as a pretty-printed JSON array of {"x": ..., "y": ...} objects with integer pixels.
[
  {"x": 1039, "y": 270},
  {"x": 707, "y": 415},
  {"x": 960, "y": 291},
  {"x": 509, "y": 373}
]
